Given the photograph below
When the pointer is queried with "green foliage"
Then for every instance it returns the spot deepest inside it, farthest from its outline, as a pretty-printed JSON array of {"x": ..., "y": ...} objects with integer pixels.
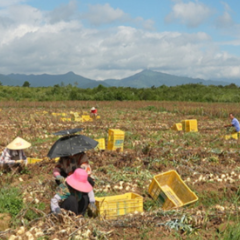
[
  {"x": 31, "y": 214},
  {"x": 10, "y": 201},
  {"x": 188, "y": 92},
  {"x": 232, "y": 232},
  {"x": 26, "y": 84}
]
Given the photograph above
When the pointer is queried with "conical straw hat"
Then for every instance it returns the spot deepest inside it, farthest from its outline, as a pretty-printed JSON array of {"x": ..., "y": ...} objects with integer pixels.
[{"x": 18, "y": 144}]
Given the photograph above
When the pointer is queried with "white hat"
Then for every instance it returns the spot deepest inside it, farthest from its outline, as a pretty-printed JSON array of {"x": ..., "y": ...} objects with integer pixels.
[
  {"x": 18, "y": 144},
  {"x": 93, "y": 108}
]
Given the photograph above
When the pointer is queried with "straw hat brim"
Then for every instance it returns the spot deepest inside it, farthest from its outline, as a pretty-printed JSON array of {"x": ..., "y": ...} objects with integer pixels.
[{"x": 18, "y": 144}]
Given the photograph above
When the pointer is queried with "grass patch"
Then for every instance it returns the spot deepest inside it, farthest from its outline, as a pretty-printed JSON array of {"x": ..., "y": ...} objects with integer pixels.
[{"x": 11, "y": 201}]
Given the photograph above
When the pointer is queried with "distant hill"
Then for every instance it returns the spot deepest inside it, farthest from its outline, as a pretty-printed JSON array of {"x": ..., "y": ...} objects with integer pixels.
[
  {"x": 5, "y": 80},
  {"x": 144, "y": 79},
  {"x": 46, "y": 80},
  {"x": 148, "y": 78}
]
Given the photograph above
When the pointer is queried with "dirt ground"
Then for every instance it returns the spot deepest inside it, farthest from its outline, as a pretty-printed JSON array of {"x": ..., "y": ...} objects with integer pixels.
[{"x": 209, "y": 165}]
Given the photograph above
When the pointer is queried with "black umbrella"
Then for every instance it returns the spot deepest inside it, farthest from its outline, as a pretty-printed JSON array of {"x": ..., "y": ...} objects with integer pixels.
[
  {"x": 71, "y": 145},
  {"x": 68, "y": 131}
]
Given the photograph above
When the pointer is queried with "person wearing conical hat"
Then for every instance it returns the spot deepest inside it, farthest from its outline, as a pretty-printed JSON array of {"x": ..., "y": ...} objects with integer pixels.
[{"x": 14, "y": 153}]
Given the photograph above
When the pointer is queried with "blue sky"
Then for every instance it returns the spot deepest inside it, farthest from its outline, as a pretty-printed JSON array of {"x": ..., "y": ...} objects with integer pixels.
[{"x": 115, "y": 39}]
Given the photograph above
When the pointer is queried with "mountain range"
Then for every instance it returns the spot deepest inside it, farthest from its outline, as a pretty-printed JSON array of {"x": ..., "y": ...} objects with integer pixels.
[{"x": 143, "y": 79}]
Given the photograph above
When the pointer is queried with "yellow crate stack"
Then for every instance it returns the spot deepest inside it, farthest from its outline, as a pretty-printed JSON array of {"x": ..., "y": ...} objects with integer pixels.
[
  {"x": 115, "y": 139},
  {"x": 190, "y": 125},
  {"x": 170, "y": 191},
  {"x": 113, "y": 206},
  {"x": 101, "y": 144}
]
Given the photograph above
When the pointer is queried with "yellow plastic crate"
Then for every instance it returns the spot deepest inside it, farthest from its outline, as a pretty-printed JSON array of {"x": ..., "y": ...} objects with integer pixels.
[
  {"x": 33, "y": 160},
  {"x": 66, "y": 119},
  {"x": 190, "y": 125},
  {"x": 74, "y": 115},
  {"x": 59, "y": 114},
  {"x": 86, "y": 118},
  {"x": 78, "y": 119},
  {"x": 113, "y": 206},
  {"x": 232, "y": 136},
  {"x": 115, "y": 139},
  {"x": 170, "y": 191},
  {"x": 177, "y": 127},
  {"x": 101, "y": 144}
]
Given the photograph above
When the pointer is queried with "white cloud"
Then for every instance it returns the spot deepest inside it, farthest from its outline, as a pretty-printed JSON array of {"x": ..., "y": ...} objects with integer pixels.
[
  {"x": 63, "y": 13},
  {"x": 24, "y": 14},
  {"x": 104, "y": 14},
  {"x": 34, "y": 45},
  {"x": 99, "y": 15},
  {"x": 6, "y": 3},
  {"x": 226, "y": 6},
  {"x": 224, "y": 21},
  {"x": 191, "y": 14}
]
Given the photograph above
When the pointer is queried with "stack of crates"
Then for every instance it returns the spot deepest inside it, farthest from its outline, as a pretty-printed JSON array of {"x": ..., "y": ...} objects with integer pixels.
[
  {"x": 114, "y": 206},
  {"x": 101, "y": 144},
  {"x": 190, "y": 125},
  {"x": 177, "y": 127},
  {"x": 170, "y": 191},
  {"x": 115, "y": 139}
]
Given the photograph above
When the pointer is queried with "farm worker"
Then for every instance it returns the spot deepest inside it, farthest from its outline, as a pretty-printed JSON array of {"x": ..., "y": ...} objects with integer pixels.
[
  {"x": 14, "y": 153},
  {"x": 93, "y": 111},
  {"x": 69, "y": 193},
  {"x": 234, "y": 123},
  {"x": 66, "y": 166}
]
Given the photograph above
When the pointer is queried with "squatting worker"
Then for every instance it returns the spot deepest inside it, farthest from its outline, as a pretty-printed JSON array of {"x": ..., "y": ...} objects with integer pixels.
[
  {"x": 234, "y": 123},
  {"x": 70, "y": 192},
  {"x": 14, "y": 153},
  {"x": 66, "y": 166}
]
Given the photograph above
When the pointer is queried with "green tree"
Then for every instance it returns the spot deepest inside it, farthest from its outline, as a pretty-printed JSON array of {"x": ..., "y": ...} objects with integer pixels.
[{"x": 26, "y": 84}]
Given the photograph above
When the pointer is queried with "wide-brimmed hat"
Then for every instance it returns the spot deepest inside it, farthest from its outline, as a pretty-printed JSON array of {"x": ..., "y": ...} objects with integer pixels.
[
  {"x": 18, "y": 144},
  {"x": 93, "y": 108},
  {"x": 79, "y": 181}
]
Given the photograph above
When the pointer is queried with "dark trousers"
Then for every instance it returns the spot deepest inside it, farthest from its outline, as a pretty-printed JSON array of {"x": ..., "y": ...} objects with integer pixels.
[
  {"x": 78, "y": 207},
  {"x": 71, "y": 204}
]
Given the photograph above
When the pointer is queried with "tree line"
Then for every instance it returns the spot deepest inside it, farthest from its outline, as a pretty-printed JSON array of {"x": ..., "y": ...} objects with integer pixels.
[{"x": 188, "y": 92}]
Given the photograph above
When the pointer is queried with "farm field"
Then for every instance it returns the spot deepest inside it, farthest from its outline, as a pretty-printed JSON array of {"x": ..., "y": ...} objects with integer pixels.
[{"x": 208, "y": 164}]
